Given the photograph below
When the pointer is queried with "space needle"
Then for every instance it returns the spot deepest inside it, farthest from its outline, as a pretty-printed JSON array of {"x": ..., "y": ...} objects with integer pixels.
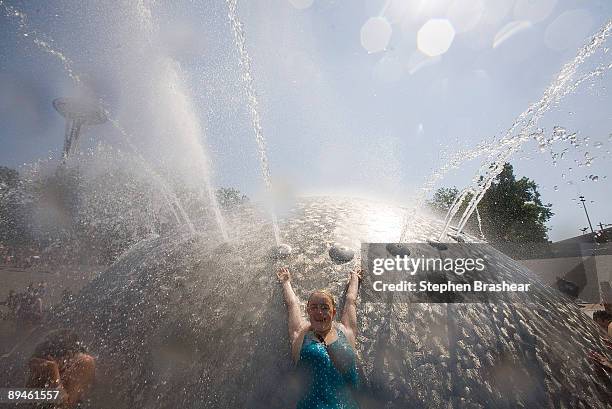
[{"x": 78, "y": 113}]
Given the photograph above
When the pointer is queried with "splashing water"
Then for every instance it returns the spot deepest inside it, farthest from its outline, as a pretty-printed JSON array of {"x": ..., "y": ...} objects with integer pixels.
[
  {"x": 482, "y": 236},
  {"x": 144, "y": 16},
  {"x": 490, "y": 149},
  {"x": 253, "y": 104},
  {"x": 22, "y": 18},
  {"x": 171, "y": 199},
  {"x": 450, "y": 163},
  {"x": 181, "y": 107},
  {"x": 68, "y": 64},
  {"x": 527, "y": 121}
]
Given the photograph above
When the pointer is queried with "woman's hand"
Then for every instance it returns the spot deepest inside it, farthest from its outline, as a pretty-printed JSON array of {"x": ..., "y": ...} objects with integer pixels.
[{"x": 283, "y": 275}]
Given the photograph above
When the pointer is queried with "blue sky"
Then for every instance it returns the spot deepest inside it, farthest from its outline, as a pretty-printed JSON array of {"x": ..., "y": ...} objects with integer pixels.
[{"x": 350, "y": 102}]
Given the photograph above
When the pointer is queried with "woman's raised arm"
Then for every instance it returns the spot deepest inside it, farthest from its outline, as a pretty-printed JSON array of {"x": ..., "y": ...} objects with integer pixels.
[
  {"x": 294, "y": 316},
  {"x": 349, "y": 313}
]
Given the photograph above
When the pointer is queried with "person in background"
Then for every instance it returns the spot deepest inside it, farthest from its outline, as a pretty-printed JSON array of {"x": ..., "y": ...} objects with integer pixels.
[
  {"x": 11, "y": 303},
  {"x": 30, "y": 307},
  {"x": 604, "y": 319},
  {"x": 61, "y": 361}
]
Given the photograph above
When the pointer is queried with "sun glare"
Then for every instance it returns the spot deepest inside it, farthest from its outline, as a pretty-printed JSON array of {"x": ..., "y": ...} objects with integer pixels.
[
  {"x": 375, "y": 34},
  {"x": 435, "y": 37}
]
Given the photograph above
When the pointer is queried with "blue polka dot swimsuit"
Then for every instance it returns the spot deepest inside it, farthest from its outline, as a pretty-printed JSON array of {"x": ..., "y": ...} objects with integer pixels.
[{"x": 329, "y": 384}]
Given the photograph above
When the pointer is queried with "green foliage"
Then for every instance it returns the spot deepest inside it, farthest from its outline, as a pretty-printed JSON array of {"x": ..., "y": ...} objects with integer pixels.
[
  {"x": 13, "y": 208},
  {"x": 9, "y": 178},
  {"x": 97, "y": 216},
  {"x": 444, "y": 198},
  {"x": 92, "y": 216},
  {"x": 116, "y": 210},
  {"x": 511, "y": 210},
  {"x": 55, "y": 208},
  {"x": 228, "y": 197}
]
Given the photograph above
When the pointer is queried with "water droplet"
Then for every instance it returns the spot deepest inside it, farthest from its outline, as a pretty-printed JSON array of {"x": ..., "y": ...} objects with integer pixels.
[
  {"x": 598, "y": 145},
  {"x": 582, "y": 180},
  {"x": 562, "y": 155},
  {"x": 563, "y": 176},
  {"x": 556, "y": 188},
  {"x": 559, "y": 132},
  {"x": 570, "y": 169},
  {"x": 594, "y": 178}
]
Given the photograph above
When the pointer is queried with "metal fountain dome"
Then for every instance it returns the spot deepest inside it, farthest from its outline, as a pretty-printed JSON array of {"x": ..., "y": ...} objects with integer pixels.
[{"x": 176, "y": 323}]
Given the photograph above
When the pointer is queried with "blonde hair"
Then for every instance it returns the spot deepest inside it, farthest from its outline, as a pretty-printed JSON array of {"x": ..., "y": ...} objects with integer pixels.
[{"x": 326, "y": 293}]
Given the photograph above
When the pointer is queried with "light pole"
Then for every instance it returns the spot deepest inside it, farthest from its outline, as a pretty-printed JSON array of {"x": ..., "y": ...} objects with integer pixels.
[
  {"x": 585, "y": 212},
  {"x": 603, "y": 226}
]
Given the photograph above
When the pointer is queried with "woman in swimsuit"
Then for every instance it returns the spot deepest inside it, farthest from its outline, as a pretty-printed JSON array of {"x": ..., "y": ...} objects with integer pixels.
[{"x": 324, "y": 350}]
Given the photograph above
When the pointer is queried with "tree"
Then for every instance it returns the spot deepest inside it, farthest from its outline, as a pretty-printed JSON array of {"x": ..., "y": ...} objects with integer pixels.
[
  {"x": 443, "y": 198},
  {"x": 229, "y": 197},
  {"x": 53, "y": 216},
  {"x": 14, "y": 208},
  {"x": 89, "y": 217},
  {"x": 511, "y": 210}
]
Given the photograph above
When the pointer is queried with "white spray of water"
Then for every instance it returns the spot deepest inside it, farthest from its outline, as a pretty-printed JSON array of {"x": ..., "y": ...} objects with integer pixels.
[
  {"x": 172, "y": 105},
  {"x": 525, "y": 123},
  {"x": 68, "y": 68},
  {"x": 482, "y": 236},
  {"x": 489, "y": 149},
  {"x": 144, "y": 17},
  {"x": 450, "y": 163},
  {"x": 174, "y": 204},
  {"x": 22, "y": 22},
  {"x": 187, "y": 123},
  {"x": 253, "y": 104}
]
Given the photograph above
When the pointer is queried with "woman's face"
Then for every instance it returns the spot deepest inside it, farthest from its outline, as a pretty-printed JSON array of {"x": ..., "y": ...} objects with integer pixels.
[{"x": 321, "y": 312}]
